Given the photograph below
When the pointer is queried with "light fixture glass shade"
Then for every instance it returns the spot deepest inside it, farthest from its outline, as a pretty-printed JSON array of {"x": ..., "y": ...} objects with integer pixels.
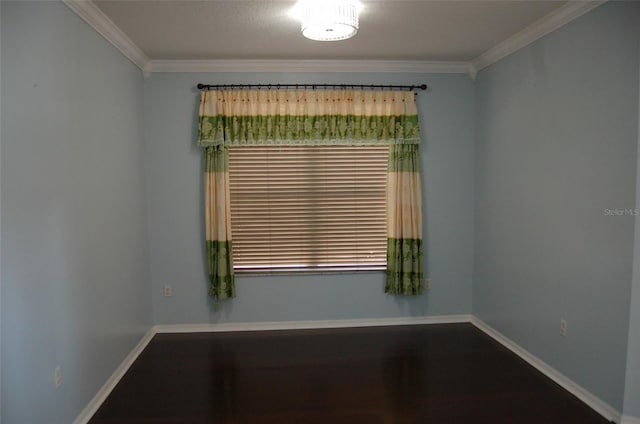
[{"x": 329, "y": 20}]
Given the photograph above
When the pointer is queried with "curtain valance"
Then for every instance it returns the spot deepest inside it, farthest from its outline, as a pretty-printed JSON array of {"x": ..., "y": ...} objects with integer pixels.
[{"x": 307, "y": 117}]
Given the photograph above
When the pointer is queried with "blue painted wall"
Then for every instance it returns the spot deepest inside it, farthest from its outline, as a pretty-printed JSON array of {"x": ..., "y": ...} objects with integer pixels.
[
  {"x": 176, "y": 219},
  {"x": 75, "y": 274},
  {"x": 632, "y": 386},
  {"x": 0, "y": 217},
  {"x": 556, "y": 148}
]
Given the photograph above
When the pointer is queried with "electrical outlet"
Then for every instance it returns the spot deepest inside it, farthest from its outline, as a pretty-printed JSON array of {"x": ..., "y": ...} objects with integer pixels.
[
  {"x": 427, "y": 283},
  {"x": 57, "y": 376},
  {"x": 563, "y": 328},
  {"x": 168, "y": 291}
]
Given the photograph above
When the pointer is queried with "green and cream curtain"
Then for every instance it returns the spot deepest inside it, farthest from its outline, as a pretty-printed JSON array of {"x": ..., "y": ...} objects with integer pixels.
[
  {"x": 405, "y": 251},
  {"x": 217, "y": 211},
  {"x": 315, "y": 117}
]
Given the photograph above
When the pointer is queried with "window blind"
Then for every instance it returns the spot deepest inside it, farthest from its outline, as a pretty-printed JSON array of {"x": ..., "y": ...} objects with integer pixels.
[{"x": 308, "y": 208}]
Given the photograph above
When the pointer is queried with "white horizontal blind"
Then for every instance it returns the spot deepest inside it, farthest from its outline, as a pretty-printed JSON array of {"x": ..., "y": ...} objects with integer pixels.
[{"x": 308, "y": 208}]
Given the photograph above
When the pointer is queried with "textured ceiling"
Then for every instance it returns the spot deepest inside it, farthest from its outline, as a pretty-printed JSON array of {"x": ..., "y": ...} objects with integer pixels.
[{"x": 262, "y": 29}]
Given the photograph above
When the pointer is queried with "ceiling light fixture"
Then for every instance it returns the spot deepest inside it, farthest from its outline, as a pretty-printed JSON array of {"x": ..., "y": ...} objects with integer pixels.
[{"x": 328, "y": 20}]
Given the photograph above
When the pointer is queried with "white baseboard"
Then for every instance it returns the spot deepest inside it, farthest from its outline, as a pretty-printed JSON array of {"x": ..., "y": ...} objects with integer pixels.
[
  {"x": 110, "y": 384},
  {"x": 305, "y": 325},
  {"x": 630, "y": 420},
  {"x": 578, "y": 391}
]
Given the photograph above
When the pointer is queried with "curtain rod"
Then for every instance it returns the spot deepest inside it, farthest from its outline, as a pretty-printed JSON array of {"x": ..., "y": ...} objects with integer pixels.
[{"x": 312, "y": 86}]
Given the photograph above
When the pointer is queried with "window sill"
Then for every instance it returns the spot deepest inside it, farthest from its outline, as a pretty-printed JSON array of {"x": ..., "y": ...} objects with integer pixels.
[{"x": 302, "y": 272}]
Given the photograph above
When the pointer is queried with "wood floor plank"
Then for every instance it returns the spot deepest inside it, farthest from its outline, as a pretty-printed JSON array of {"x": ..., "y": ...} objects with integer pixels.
[{"x": 440, "y": 374}]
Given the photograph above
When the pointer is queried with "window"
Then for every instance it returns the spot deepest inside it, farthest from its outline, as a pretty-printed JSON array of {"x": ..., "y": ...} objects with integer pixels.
[{"x": 308, "y": 208}]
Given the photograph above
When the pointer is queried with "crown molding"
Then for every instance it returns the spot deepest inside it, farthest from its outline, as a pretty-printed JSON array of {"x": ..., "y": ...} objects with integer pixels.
[
  {"x": 308, "y": 66},
  {"x": 535, "y": 31},
  {"x": 93, "y": 16}
]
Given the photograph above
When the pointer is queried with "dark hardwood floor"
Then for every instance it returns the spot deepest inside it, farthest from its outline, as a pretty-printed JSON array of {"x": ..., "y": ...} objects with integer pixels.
[{"x": 438, "y": 374}]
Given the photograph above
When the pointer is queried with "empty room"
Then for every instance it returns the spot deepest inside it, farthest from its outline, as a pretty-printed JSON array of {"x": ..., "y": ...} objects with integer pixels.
[{"x": 338, "y": 211}]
